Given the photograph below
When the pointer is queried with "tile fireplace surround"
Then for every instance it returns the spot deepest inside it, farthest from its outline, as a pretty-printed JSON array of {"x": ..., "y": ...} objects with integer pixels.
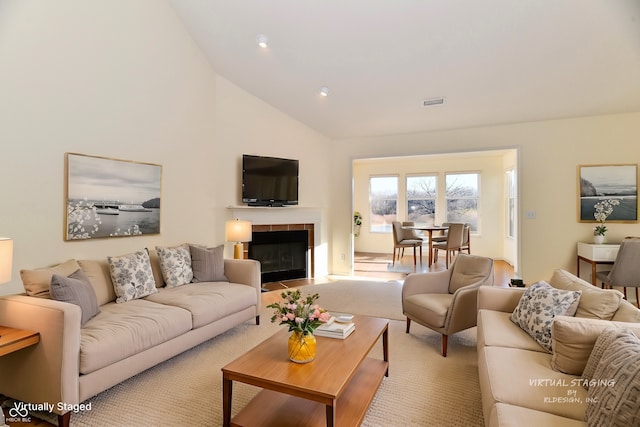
[{"x": 272, "y": 219}]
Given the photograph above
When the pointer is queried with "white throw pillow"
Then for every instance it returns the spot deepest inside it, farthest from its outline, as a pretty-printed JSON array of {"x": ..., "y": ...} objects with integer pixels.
[
  {"x": 131, "y": 276},
  {"x": 175, "y": 263},
  {"x": 537, "y": 308}
]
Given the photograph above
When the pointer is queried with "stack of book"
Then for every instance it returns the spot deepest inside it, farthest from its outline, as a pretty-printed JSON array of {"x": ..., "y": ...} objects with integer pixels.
[{"x": 333, "y": 329}]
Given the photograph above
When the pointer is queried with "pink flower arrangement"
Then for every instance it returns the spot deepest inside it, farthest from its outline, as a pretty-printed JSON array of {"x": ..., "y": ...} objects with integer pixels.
[{"x": 300, "y": 314}]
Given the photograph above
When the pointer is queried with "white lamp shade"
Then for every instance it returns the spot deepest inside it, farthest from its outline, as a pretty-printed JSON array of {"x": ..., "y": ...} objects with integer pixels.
[
  {"x": 6, "y": 259},
  {"x": 238, "y": 231}
]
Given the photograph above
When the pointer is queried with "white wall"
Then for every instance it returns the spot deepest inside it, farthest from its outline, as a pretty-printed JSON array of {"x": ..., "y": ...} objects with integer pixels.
[
  {"x": 125, "y": 80},
  {"x": 549, "y": 151}
]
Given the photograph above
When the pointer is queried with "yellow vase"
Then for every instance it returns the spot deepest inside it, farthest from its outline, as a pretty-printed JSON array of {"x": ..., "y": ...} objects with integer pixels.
[{"x": 302, "y": 348}]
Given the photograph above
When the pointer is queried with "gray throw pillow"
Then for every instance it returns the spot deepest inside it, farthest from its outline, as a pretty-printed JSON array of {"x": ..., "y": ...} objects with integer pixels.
[
  {"x": 77, "y": 290},
  {"x": 208, "y": 264},
  {"x": 613, "y": 398},
  {"x": 537, "y": 308}
]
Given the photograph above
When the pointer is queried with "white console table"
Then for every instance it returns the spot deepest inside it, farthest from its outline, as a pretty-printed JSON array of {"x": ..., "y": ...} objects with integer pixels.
[{"x": 596, "y": 254}]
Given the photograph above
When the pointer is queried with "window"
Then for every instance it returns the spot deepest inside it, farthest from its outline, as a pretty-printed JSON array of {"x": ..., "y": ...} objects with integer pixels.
[
  {"x": 462, "y": 198},
  {"x": 421, "y": 198},
  {"x": 511, "y": 203},
  {"x": 383, "y": 202}
]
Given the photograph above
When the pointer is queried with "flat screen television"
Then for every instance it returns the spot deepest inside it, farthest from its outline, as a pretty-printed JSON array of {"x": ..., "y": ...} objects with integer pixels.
[{"x": 269, "y": 181}]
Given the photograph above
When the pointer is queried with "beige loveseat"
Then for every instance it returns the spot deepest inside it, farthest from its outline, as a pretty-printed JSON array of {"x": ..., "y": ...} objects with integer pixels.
[
  {"x": 524, "y": 385},
  {"x": 73, "y": 363}
]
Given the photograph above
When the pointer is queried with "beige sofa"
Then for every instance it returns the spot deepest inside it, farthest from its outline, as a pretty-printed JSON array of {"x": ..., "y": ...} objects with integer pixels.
[
  {"x": 524, "y": 385},
  {"x": 73, "y": 363}
]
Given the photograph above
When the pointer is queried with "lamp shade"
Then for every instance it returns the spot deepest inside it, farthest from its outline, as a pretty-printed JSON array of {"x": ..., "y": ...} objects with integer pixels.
[
  {"x": 238, "y": 231},
  {"x": 6, "y": 258}
]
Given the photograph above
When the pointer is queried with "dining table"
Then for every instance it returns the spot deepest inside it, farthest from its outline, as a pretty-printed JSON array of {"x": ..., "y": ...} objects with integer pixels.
[{"x": 429, "y": 229}]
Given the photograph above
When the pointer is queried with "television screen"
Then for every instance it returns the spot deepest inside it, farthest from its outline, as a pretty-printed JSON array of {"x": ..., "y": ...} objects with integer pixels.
[{"x": 269, "y": 181}]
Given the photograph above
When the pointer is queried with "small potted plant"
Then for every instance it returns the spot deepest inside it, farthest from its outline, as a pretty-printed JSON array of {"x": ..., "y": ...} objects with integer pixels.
[{"x": 357, "y": 223}]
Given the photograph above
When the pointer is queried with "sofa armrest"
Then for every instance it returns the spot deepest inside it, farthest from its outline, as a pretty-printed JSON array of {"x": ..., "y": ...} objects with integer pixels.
[
  {"x": 47, "y": 371},
  {"x": 499, "y": 299},
  {"x": 243, "y": 271}
]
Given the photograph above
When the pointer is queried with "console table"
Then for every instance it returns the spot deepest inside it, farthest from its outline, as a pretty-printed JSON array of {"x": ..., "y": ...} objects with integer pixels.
[{"x": 596, "y": 254}]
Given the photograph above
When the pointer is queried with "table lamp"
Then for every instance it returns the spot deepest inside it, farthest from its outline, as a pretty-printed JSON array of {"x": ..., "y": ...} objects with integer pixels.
[
  {"x": 238, "y": 231},
  {"x": 6, "y": 258}
]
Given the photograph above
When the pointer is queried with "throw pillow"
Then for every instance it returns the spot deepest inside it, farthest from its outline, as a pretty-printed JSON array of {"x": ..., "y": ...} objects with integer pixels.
[
  {"x": 208, "y": 264},
  {"x": 36, "y": 282},
  {"x": 537, "y": 308},
  {"x": 175, "y": 263},
  {"x": 131, "y": 276},
  {"x": 77, "y": 290},
  {"x": 574, "y": 339},
  {"x": 613, "y": 398},
  {"x": 595, "y": 303}
]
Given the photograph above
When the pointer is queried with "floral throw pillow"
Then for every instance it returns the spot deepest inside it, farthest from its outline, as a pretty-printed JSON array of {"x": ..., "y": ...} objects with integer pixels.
[
  {"x": 175, "y": 264},
  {"x": 131, "y": 276},
  {"x": 537, "y": 308}
]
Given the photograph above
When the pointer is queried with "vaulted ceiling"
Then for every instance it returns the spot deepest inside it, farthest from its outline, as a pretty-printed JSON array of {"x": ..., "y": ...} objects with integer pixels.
[{"x": 493, "y": 61}]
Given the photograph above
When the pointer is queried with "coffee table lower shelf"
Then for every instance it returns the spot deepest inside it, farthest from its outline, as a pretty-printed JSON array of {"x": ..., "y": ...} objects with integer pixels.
[{"x": 271, "y": 408}]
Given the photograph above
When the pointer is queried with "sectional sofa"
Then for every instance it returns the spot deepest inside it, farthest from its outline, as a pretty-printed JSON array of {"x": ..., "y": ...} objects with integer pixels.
[
  {"x": 181, "y": 296},
  {"x": 524, "y": 384}
]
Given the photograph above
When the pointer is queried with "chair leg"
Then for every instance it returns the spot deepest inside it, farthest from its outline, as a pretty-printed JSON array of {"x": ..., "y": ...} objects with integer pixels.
[
  {"x": 637, "y": 300},
  {"x": 408, "y": 325},
  {"x": 444, "y": 345},
  {"x": 394, "y": 257},
  {"x": 625, "y": 292},
  {"x": 414, "y": 257}
]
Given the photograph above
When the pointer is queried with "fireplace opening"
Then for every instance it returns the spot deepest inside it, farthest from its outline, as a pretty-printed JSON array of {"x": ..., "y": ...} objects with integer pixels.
[{"x": 282, "y": 254}]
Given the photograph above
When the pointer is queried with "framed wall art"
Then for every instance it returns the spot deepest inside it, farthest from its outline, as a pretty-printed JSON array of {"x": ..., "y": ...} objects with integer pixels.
[
  {"x": 110, "y": 198},
  {"x": 602, "y": 182}
]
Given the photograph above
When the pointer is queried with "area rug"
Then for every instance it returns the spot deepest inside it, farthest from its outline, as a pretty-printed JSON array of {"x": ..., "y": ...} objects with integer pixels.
[{"x": 423, "y": 388}]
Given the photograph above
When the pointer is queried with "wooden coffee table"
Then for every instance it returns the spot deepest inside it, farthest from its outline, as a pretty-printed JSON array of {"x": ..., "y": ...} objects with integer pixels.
[{"x": 338, "y": 386}]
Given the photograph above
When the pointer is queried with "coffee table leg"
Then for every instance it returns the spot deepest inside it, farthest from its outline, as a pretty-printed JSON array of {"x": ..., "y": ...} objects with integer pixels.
[
  {"x": 331, "y": 415},
  {"x": 226, "y": 402},
  {"x": 385, "y": 348}
]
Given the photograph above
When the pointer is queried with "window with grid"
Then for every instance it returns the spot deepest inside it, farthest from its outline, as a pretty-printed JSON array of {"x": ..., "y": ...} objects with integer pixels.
[
  {"x": 421, "y": 198},
  {"x": 383, "y": 203},
  {"x": 462, "y": 198}
]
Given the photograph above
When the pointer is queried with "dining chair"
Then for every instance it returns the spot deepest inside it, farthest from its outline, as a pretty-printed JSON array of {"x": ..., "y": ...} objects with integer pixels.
[
  {"x": 442, "y": 237},
  {"x": 625, "y": 272},
  {"x": 446, "y": 301},
  {"x": 466, "y": 238},
  {"x": 452, "y": 244},
  {"x": 402, "y": 240}
]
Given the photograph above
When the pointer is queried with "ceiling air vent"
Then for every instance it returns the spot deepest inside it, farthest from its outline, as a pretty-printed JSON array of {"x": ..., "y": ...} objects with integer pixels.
[{"x": 432, "y": 101}]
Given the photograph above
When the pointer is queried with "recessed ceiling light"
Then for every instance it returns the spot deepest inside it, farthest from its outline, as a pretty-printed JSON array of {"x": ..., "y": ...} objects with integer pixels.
[
  {"x": 263, "y": 41},
  {"x": 324, "y": 91}
]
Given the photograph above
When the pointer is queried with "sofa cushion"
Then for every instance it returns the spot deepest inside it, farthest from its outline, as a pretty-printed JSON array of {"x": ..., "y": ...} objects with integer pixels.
[
  {"x": 615, "y": 399},
  {"x": 122, "y": 330},
  {"x": 36, "y": 282},
  {"x": 175, "y": 263},
  {"x": 594, "y": 303},
  {"x": 573, "y": 341},
  {"x": 432, "y": 307},
  {"x": 495, "y": 328},
  {"x": 131, "y": 276},
  {"x": 77, "y": 290},
  {"x": 207, "y": 264},
  {"x": 207, "y": 301},
  {"x": 99, "y": 276},
  {"x": 524, "y": 378},
  {"x": 627, "y": 312},
  {"x": 539, "y": 304}
]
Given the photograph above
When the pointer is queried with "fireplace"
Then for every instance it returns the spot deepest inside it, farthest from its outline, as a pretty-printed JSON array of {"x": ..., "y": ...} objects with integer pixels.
[{"x": 282, "y": 254}]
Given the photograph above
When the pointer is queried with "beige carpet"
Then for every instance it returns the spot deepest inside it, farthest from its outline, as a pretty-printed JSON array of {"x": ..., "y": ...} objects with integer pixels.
[{"x": 423, "y": 388}]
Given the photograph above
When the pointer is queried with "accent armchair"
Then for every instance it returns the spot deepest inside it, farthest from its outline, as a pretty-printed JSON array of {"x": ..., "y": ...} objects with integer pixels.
[{"x": 446, "y": 300}]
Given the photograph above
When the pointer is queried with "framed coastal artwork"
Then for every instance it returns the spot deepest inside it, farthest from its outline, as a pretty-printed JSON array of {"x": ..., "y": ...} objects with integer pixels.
[
  {"x": 110, "y": 197},
  {"x": 606, "y": 183}
]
